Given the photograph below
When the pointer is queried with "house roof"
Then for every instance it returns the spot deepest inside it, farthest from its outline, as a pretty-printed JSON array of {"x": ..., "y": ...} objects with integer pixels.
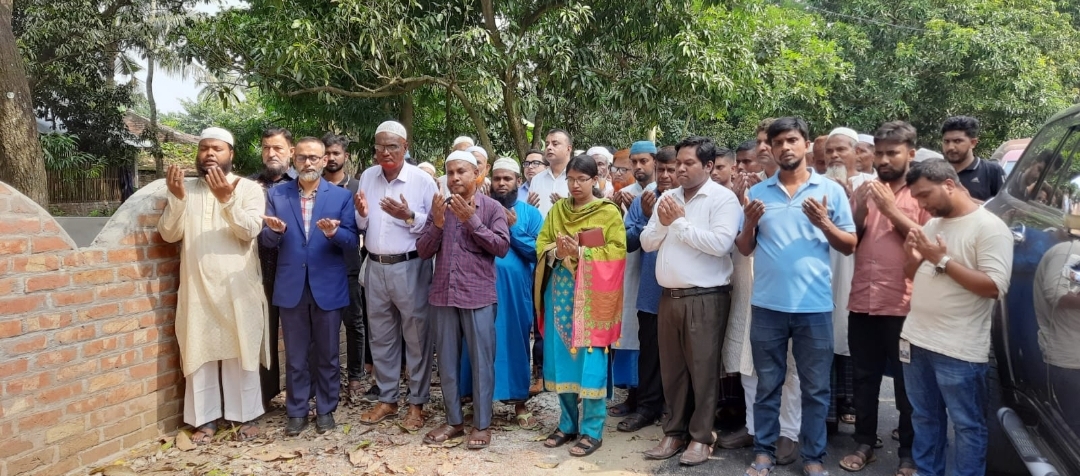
[{"x": 136, "y": 124}]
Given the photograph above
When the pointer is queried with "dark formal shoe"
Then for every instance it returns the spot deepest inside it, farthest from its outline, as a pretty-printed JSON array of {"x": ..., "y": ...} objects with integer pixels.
[
  {"x": 695, "y": 454},
  {"x": 667, "y": 448},
  {"x": 324, "y": 423},
  {"x": 295, "y": 426},
  {"x": 372, "y": 395},
  {"x": 786, "y": 450},
  {"x": 740, "y": 438}
]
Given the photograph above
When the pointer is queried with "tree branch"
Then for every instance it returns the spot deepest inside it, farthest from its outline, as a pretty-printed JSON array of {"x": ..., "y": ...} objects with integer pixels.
[
  {"x": 489, "y": 24},
  {"x": 393, "y": 88},
  {"x": 535, "y": 16}
]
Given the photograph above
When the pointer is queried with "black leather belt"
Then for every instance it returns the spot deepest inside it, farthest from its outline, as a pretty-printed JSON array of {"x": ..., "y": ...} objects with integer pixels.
[
  {"x": 393, "y": 259},
  {"x": 687, "y": 292}
]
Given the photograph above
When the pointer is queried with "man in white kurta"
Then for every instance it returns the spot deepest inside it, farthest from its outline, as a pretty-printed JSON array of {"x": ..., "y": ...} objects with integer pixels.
[{"x": 221, "y": 311}]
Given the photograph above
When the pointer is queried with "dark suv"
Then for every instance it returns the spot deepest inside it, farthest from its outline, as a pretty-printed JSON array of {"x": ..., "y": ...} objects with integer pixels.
[{"x": 1035, "y": 387}]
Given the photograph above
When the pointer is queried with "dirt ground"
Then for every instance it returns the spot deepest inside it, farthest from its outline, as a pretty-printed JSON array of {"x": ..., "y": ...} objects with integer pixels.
[{"x": 386, "y": 448}]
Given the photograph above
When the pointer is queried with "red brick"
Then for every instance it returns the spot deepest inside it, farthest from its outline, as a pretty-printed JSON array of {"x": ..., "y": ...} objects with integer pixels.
[
  {"x": 45, "y": 244},
  {"x": 135, "y": 272},
  {"x": 98, "y": 346},
  {"x": 90, "y": 258},
  {"x": 10, "y": 285},
  {"x": 34, "y": 460},
  {"x": 75, "y": 334},
  {"x": 95, "y": 276},
  {"x": 110, "y": 379},
  {"x": 100, "y": 452},
  {"x": 145, "y": 336},
  {"x": 27, "y": 383},
  {"x": 59, "y": 393},
  {"x": 35, "y": 263},
  {"x": 113, "y": 291},
  {"x": 80, "y": 369},
  {"x": 141, "y": 238},
  {"x": 168, "y": 268},
  {"x": 87, "y": 405},
  {"x": 119, "y": 360},
  {"x": 11, "y": 446},
  {"x": 62, "y": 356},
  {"x": 99, "y": 312},
  {"x": 168, "y": 300},
  {"x": 123, "y": 255},
  {"x": 123, "y": 394},
  {"x": 122, "y": 427},
  {"x": 48, "y": 321},
  {"x": 148, "y": 369},
  {"x": 139, "y": 305},
  {"x": 163, "y": 380},
  {"x": 12, "y": 225},
  {"x": 50, "y": 226},
  {"x": 162, "y": 251},
  {"x": 140, "y": 437},
  {"x": 25, "y": 344},
  {"x": 75, "y": 444},
  {"x": 161, "y": 285},
  {"x": 11, "y": 327},
  {"x": 39, "y": 420},
  {"x": 120, "y": 326},
  {"x": 154, "y": 350},
  {"x": 70, "y": 298},
  {"x": 47, "y": 281},
  {"x": 14, "y": 246},
  {"x": 12, "y": 367},
  {"x": 21, "y": 304}
]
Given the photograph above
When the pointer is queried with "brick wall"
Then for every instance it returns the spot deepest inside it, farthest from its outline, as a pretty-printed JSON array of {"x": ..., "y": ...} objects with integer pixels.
[{"x": 89, "y": 365}]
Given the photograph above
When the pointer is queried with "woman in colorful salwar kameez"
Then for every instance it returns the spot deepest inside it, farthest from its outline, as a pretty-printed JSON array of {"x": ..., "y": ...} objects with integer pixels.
[{"x": 578, "y": 294}]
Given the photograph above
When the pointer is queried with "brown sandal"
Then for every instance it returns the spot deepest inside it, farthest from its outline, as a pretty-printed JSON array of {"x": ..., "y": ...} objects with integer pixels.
[
  {"x": 414, "y": 421},
  {"x": 204, "y": 434},
  {"x": 247, "y": 432},
  {"x": 444, "y": 432},
  {"x": 864, "y": 455},
  {"x": 481, "y": 436},
  {"x": 379, "y": 413}
]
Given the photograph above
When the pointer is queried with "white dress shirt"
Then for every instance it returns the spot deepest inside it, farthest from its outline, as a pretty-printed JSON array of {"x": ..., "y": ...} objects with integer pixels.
[
  {"x": 386, "y": 235},
  {"x": 544, "y": 184},
  {"x": 695, "y": 250}
]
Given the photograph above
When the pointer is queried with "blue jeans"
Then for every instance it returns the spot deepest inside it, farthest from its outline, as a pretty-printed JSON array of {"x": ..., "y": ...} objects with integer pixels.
[
  {"x": 811, "y": 336},
  {"x": 935, "y": 383}
]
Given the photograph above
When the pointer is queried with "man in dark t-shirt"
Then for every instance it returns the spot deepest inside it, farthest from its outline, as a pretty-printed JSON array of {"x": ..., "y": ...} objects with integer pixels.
[{"x": 981, "y": 178}]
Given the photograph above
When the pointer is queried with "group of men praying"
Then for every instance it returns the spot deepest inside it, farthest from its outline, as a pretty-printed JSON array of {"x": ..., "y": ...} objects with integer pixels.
[{"x": 789, "y": 275}]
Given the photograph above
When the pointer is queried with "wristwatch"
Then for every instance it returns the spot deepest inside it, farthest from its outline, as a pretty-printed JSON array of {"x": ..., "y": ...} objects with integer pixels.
[
  {"x": 940, "y": 266},
  {"x": 412, "y": 219}
]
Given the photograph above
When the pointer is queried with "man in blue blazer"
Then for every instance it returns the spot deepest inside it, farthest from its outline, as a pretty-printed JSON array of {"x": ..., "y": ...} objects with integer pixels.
[{"x": 311, "y": 222}]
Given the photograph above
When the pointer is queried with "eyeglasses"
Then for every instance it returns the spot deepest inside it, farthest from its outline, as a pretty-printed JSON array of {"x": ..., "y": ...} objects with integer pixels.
[
  {"x": 581, "y": 181},
  {"x": 392, "y": 148},
  {"x": 308, "y": 158},
  {"x": 530, "y": 164},
  {"x": 620, "y": 170}
]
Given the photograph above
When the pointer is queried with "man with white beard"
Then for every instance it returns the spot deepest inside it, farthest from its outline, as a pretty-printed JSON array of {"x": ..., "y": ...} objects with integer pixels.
[{"x": 842, "y": 159}]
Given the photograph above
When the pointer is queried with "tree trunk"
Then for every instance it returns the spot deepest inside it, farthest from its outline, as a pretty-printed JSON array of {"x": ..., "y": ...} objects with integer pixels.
[
  {"x": 407, "y": 113},
  {"x": 538, "y": 120},
  {"x": 478, "y": 122},
  {"x": 512, "y": 107},
  {"x": 155, "y": 146},
  {"x": 22, "y": 163}
]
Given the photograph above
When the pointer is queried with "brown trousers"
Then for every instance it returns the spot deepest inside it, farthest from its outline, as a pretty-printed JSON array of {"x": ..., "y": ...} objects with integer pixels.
[{"x": 691, "y": 333}]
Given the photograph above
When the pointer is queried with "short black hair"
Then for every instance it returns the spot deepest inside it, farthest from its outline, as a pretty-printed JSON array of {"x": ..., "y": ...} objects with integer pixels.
[
  {"x": 725, "y": 153},
  {"x": 934, "y": 170},
  {"x": 278, "y": 131},
  {"x": 587, "y": 166},
  {"x": 785, "y": 124},
  {"x": 666, "y": 154},
  {"x": 537, "y": 152},
  {"x": 969, "y": 125},
  {"x": 704, "y": 148},
  {"x": 331, "y": 139},
  {"x": 746, "y": 146},
  {"x": 897, "y": 131},
  {"x": 569, "y": 138}
]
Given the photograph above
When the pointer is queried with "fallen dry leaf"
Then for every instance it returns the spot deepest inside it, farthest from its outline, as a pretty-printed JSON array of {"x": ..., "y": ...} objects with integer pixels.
[
  {"x": 183, "y": 441},
  {"x": 452, "y": 442},
  {"x": 547, "y": 465},
  {"x": 445, "y": 469}
]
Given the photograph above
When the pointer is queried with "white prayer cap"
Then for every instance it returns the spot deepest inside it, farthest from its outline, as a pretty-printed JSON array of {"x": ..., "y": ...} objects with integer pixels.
[
  {"x": 506, "y": 163},
  {"x": 601, "y": 151},
  {"x": 926, "y": 154},
  {"x": 462, "y": 155},
  {"x": 463, "y": 140},
  {"x": 846, "y": 132},
  {"x": 869, "y": 139},
  {"x": 393, "y": 127},
  {"x": 217, "y": 133},
  {"x": 427, "y": 166},
  {"x": 477, "y": 149}
]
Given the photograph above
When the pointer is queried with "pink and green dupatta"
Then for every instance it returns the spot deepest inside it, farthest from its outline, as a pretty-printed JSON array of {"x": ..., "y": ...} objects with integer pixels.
[{"x": 598, "y": 290}]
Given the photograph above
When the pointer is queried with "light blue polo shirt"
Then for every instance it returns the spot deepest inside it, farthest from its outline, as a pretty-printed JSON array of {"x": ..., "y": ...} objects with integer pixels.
[{"x": 791, "y": 264}]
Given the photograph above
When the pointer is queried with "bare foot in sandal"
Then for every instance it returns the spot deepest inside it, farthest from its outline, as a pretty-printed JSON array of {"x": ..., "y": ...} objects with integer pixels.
[
  {"x": 479, "y": 439},
  {"x": 858, "y": 459},
  {"x": 247, "y": 431},
  {"x": 524, "y": 417},
  {"x": 204, "y": 434}
]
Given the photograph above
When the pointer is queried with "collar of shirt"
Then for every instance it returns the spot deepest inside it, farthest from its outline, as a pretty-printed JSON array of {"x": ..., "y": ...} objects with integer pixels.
[
  {"x": 974, "y": 165},
  {"x": 815, "y": 179},
  {"x": 702, "y": 192}
]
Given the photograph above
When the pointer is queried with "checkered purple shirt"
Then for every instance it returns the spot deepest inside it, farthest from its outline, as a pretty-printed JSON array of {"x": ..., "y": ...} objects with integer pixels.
[{"x": 307, "y": 204}]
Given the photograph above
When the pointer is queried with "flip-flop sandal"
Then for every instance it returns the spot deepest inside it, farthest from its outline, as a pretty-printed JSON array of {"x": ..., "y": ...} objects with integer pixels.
[
  {"x": 896, "y": 434},
  {"x": 558, "y": 438},
  {"x": 864, "y": 453},
  {"x": 847, "y": 419},
  {"x": 878, "y": 444},
  {"x": 247, "y": 432},
  {"x": 587, "y": 444},
  {"x": 759, "y": 469},
  {"x": 443, "y": 433},
  {"x": 485, "y": 438},
  {"x": 634, "y": 422},
  {"x": 620, "y": 410},
  {"x": 523, "y": 421},
  {"x": 208, "y": 430}
]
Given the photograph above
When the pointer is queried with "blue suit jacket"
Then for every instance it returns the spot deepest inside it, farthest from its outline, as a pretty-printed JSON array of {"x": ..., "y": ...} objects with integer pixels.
[{"x": 315, "y": 261}]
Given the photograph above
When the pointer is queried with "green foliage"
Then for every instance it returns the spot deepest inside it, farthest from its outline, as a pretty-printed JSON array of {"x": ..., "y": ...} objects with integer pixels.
[
  {"x": 245, "y": 119},
  {"x": 62, "y": 153}
]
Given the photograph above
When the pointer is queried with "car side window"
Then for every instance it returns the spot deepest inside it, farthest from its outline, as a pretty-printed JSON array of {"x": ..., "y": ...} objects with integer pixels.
[{"x": 1035, "y": 172}]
